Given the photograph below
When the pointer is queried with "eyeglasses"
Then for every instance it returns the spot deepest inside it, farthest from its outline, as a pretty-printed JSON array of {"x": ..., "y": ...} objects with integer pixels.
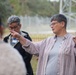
[{"x": 13, "y": 27}]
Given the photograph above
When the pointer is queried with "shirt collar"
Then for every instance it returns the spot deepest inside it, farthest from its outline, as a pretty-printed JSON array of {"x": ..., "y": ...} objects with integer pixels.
[{"x": 64, "y": 37}]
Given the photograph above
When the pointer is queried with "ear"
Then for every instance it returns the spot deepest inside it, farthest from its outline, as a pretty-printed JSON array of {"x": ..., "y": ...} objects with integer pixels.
[
  {"x": 62, "y": 24},
  {"x": 20, "y": 25}
]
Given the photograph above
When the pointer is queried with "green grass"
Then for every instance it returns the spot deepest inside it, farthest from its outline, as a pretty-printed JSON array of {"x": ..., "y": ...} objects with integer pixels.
[
  {"x": 34, "y": 64},
  {"x": 39, "y": 37}
]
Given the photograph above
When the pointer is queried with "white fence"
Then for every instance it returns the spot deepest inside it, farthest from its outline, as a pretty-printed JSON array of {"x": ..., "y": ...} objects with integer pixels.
[{"x": 40, "y": 25}]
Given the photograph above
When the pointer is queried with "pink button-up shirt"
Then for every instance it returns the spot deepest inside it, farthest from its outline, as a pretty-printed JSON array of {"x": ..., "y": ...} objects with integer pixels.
[{"x": 66, "y": 57}]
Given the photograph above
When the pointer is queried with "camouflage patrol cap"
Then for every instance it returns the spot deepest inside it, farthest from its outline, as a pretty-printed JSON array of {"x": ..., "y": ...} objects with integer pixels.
[{"x": 13, "y": 19}]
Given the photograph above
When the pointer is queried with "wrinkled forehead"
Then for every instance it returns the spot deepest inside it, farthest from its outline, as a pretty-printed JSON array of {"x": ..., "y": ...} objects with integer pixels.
[{"x": 14, "y": 24}]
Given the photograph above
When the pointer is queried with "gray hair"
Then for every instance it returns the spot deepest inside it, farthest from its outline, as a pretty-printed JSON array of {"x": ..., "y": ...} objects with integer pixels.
[{"x": 13, "y": 19}]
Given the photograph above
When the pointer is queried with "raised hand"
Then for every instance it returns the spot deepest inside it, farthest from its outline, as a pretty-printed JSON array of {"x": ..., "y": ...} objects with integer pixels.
[{"x": 15, "y": 34}]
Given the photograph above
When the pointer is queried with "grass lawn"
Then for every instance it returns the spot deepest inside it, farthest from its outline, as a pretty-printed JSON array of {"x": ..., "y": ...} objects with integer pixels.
[{"x": 34, "y": 64}]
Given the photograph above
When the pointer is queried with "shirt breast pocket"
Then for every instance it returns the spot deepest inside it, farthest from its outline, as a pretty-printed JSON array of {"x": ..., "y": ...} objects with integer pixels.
[{"x": 67, "y": 51}]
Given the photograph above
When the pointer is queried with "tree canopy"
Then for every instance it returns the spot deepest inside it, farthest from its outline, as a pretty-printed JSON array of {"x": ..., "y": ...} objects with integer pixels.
[
  {"x": 5, "y": 9},
  {"x": 29, "y": 7},
  {"x": 35, "y": 7}
]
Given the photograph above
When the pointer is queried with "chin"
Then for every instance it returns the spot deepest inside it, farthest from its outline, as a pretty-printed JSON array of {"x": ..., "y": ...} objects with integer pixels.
[{"x": 54, "y": 32}]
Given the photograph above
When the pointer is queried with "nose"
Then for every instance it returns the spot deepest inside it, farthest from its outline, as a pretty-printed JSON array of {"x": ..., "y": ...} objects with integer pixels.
[{"x": 51, "y": 26}]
